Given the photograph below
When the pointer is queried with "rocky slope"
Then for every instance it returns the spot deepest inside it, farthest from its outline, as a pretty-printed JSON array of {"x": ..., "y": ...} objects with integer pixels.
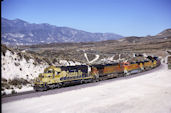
[
  {"x": 19, "y": 68},
  {"x": 164, "y": 35}
]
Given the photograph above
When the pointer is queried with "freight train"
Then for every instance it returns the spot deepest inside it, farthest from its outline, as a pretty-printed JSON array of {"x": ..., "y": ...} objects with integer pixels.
[{"x": 59, "y": 76}]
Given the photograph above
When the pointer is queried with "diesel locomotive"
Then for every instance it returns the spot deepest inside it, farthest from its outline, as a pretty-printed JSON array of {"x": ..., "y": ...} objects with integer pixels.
[{"x": 59, "y": 76}]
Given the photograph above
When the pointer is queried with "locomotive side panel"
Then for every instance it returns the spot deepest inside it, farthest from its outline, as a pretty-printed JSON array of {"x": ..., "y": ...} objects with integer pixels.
[
  {"x": 148, "y": 65},
  {"x": 133, "y": 66},
  {"x": 115, "y": 68}
]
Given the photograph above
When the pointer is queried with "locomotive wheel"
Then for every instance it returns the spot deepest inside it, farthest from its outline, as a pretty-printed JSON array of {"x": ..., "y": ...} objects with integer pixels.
[
  {"x": 86, "y": 81},
  {"x": 36, "y": 89},
  {"x": 82, "y": 82},
  {"x": 100, "y": 79},
  {"x": 45, "y": 88},
  {"x": 95, "y": 80},
  {"x": 57, "y": 86},
  {"x": 63, "y": 85}
]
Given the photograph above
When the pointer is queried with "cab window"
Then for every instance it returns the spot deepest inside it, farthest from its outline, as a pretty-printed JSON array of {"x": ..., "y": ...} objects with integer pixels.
[
  {"x": 49, "y": 71},
  {"x": 57, "y": 73},
  {"x": 41, "y": 76}
]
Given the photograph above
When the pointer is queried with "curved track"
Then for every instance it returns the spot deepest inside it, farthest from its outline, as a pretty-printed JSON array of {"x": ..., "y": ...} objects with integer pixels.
[{"x": 31, "y": 94}]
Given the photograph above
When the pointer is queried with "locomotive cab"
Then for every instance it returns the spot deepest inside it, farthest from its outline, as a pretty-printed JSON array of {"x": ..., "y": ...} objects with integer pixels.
[
  {"x": 50, "y": 72},
  {"x": 49, "y": 76}
]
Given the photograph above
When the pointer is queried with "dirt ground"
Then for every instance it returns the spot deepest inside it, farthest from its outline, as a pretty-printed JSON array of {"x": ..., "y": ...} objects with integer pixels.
[{"x": 148, "y": 92}]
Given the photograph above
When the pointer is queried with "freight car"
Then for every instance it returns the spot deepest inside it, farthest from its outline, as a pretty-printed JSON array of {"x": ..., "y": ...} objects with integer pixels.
[{"x": 58, "y": 76}]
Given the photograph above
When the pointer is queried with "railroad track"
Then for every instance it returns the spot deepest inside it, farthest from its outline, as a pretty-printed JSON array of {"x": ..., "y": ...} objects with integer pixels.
[{"x": 32, "y": 94}]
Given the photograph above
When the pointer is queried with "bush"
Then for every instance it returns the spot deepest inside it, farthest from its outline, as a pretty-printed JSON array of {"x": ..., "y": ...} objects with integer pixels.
[
  {"x": 20, "y": 55},
  {"x": 4, "y": 48},
  {"x": 54, "y": 61},
  {"x": 3, "y": 93},
  {"x": 5, "y": 85},
  {"x": 169, "y": 62},
  {"x": 4, "y": 80},
  {"x": 169, "y": 59},
  {"x": 169, "y": 66},
  {"x": 2, "y": 89},
  {"x": 17, "y": 64},
  {"x": 38, "y": 60},
  {"x": 27, "y": 57},
  {"x": 18, "y": 81},
  {"x": 13, "y": 92},
  {"x": 47, "y": 60},
  {"x": 19, "y": 86}
]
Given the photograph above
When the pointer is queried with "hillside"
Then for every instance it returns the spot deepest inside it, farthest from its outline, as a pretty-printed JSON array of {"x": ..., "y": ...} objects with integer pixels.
[
  {"x": 30, "y": 60},
  {"x": 19, "y": 32},
  {"x": 150, "y": 45},
  {"x": 165, "y": 34},
  {"x": 19, "y": 68}
]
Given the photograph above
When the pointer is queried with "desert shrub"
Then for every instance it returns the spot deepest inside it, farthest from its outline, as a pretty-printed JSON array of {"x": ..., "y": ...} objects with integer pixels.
[
  {"x": 7, "y": 86},
  {"x": 3, "y": 53},
  {"x": 169, "y": 59},
  {"x": 2, "y": 88},
  {"x": 18, "y": 81},
  {"x": 34, "y": 63},
  {"x": 19, "y": 86},
  {"x": 38, "y": 60},
  {"x": 169, "y": 52},
  {"x": 4, "y": 84},
  {"x": 26, "y": 57},
  {"x": 13, "y": 92},
  {"x": 27, "y": 76},
  {"x": 169, "y": 62},
  {"x": 3, "y": 93},
  {"x": 17, "y": 64},
  {"x": 4, "y": 48},
  {"x": 54, "y": 61},
  {"x": 47, "y": 60},
  {"x": 3, "y": 80},
  {"x": 20, "y": 55}
]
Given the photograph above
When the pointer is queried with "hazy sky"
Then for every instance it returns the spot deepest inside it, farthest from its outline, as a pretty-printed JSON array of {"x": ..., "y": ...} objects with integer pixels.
[{"x": 124, "y": 17}]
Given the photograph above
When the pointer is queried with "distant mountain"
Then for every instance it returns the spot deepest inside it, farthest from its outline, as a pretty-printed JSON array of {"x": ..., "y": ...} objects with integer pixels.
[
  {"x": 19, "y": 32},
  {"x": 166, "y": 34},
  {"x": 131, "y": 39}
]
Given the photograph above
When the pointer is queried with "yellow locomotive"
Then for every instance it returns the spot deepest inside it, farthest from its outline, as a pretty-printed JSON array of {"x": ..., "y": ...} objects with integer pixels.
[{"x": 60, "y": 76}]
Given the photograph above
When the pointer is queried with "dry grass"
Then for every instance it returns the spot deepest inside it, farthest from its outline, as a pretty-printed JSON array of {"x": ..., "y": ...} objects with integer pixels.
[{"x": 52, "y": 53}]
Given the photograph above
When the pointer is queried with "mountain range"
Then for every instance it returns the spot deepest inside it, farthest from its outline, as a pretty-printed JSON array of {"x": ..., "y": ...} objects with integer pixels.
[{"x": 19, "y": 32}]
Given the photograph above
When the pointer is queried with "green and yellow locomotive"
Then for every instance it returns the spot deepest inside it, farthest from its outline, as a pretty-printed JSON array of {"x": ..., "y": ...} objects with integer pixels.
[{"x": 61, "y": 76}]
